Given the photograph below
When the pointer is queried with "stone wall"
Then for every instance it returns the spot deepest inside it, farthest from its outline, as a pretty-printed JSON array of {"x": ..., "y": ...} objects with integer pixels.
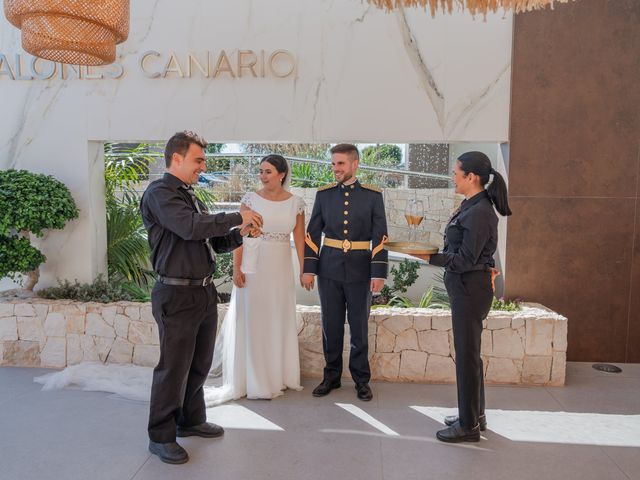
[
  {"x": 406, "y": 345},
  {"x": 438, "y": 205}
]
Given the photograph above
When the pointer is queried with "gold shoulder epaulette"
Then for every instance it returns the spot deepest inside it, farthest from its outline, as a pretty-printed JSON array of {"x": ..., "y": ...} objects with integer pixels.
[
  {"x": 327, "y": 186},
  {"x": 371, "y": 187}
]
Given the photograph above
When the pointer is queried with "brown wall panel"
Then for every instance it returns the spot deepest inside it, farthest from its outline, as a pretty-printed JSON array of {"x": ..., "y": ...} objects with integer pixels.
[
  {"x": 633, "y": 338},
  {"x": 572, "y": 243},
  {"x": 572, "y": 255}
]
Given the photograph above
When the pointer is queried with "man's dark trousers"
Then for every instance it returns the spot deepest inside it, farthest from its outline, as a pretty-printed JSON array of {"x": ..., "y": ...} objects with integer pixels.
[
  {"x": 187, "y": 318},
  {"x": 353, "y": 299}
]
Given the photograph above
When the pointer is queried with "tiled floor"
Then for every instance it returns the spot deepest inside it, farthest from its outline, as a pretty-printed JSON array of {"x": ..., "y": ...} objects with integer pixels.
[{"x": 72, "y": 434}]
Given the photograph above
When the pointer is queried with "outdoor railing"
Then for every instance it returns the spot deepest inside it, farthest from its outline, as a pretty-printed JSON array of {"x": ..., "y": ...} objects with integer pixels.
[{"x": 230, "y": 175}]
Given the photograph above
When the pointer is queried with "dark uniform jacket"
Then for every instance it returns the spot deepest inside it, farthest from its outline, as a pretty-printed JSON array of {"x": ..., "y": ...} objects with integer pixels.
[
  {"x": 347, "y": 212},
  {"x": 177, "y": 231},
  {"x": 471, "y": 237}
]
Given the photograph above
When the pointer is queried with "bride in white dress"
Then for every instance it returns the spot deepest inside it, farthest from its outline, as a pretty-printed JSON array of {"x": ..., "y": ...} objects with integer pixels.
[{"x": 258, "y": 344}]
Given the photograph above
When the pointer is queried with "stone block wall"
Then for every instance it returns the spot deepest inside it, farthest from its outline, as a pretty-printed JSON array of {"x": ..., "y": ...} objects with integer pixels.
[
  {"x": 58, "y": 333},
  {"x": 416, "y": 345},
  {"x": 405, "y": 345},
  {"x": 438, "y": 205}
]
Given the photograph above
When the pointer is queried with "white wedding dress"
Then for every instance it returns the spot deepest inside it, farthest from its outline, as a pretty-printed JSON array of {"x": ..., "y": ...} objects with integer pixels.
[{"x": 258, "y": 342}]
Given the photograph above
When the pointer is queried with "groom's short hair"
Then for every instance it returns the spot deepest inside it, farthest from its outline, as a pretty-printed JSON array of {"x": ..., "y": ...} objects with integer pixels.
[{"x": 347, "y": 148}]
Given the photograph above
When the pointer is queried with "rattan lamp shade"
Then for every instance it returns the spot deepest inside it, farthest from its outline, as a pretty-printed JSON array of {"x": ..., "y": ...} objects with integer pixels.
[
  {"x": 79, "y": 32},
  {"x": 474, "y": 6}
]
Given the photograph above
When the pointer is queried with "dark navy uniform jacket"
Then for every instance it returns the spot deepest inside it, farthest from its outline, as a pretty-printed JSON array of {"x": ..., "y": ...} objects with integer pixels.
[{"x": 353, "y": 212}]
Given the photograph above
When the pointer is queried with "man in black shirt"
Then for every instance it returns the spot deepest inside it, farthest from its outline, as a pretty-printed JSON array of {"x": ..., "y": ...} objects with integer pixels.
[{"x": 183, "y": 238}]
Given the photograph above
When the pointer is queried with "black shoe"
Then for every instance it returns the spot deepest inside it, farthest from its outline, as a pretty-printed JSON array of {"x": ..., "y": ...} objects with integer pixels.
[
  {"x": 169, "y": 452},
  {"x": 451, "y": 419},
  {"x": 364, "y": 391},
  {"x": 457, "y": 433},
  {"x": 325, "y": 387},
  {"x": 206, "y": 430}
]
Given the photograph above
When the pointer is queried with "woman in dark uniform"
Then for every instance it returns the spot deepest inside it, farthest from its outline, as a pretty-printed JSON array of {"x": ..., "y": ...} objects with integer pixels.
[{"x": 471, "y": 238}]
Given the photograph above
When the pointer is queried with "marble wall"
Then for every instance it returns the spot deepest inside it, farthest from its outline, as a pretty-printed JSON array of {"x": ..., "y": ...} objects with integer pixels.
[{"x": 360, "y": 75}]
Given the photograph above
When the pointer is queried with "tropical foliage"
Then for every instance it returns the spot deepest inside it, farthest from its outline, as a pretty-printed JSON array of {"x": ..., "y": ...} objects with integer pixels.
[
  {"x": 128, "y": 255},
  {"x": 309, "y": 175},
  {"x": 434, "y": 296},
  {"x": 128, "y": 252}
]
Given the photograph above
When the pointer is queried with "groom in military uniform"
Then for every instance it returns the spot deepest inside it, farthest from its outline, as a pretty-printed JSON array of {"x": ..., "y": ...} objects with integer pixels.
[{"x": 350, "y": 266}]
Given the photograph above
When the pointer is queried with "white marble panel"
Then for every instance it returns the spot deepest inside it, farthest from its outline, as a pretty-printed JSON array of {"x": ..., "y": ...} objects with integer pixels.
[{"x": 362, "y": 75}]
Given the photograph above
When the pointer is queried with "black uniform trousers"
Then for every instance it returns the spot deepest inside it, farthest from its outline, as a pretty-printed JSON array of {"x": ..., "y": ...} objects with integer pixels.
[
  {"x": 187, "y": 319},
  {"x": 471, "y": 296},
  {"x": 353, "y": 299}
]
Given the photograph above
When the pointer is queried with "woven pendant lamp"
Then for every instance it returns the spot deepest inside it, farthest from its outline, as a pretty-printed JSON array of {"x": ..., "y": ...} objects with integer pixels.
[
  {"x": 78, "y": 32},
  {"x": 474, "y": 6}
]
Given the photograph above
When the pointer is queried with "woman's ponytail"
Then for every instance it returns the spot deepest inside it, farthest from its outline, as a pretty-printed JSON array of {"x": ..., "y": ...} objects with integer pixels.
[
  {"x": 479, "y": 163},
  {"x": 497, "y": 191}
]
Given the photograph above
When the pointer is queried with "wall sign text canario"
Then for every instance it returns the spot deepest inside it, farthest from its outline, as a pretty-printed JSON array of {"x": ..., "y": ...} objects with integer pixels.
[{"x": 156, "y": 65}]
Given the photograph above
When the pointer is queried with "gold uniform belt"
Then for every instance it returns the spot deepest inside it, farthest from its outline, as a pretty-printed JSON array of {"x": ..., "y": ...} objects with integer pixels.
[{"x": 346, "y": 245}]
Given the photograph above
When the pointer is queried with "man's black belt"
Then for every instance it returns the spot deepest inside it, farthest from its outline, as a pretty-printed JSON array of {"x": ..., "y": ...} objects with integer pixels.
[{"x": 186, "y": 282}]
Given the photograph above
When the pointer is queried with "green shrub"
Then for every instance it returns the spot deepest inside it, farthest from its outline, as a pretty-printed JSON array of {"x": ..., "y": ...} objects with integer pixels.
[
  {"x": 224, "y": 269},
  {"x": 18, "y": 255},
  {"x": 506, "y": 305},
  {"x": 30, "y": 203},
  {"x": 404, "y": 275},
  {"x": 99, "y": 291}
]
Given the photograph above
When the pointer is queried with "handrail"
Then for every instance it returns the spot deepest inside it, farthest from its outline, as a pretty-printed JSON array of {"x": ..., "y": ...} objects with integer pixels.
[{"x": 315, "y": 161}]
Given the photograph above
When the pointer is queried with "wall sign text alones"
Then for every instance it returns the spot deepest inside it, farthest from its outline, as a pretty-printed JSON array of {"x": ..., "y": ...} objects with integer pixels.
[{"x": 156, "y": 65}]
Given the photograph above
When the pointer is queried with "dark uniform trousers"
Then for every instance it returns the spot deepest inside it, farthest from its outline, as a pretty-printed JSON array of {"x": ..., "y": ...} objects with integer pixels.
[
  {"x": 337, "y": 299},
  {"x": 345, "y": 214},
  {"x": 187, "y": 318},
  {"x": 471, "y": 296}
]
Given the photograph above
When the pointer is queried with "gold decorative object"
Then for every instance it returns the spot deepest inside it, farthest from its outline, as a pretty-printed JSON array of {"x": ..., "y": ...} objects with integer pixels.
[
  {"x": 78, "y": 32},
  {"x": 411, "y": 248},
  {"x": 474, "y": 6}
]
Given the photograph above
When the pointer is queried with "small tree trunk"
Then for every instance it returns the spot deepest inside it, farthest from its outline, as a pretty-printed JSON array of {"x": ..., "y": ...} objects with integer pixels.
[{"x": 32, "y": 278}]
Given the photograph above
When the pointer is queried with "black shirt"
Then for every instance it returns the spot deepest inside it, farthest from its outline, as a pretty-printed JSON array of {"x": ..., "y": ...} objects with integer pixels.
[
  {"x": 471, "y": 237},
  {"x": 177, "y": 231}
]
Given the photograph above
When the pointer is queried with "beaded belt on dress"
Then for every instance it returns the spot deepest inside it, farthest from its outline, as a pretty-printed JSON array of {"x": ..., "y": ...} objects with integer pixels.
[{"x": 276, "y": 237}]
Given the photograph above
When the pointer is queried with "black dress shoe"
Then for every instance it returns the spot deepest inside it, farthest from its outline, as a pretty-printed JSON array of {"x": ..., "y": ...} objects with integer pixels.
[
  {"x": 364, "y": 391},
  {"x": 325, "y": 387},
  {"x": 451, "y": 419},
  {"x": 169, "y": 452},
  {"x": 206, "y": 430},
  {"x": 456, "y": 433}
]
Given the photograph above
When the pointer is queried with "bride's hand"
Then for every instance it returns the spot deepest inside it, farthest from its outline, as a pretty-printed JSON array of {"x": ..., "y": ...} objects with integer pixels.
[{"x": 238, "y": 278}]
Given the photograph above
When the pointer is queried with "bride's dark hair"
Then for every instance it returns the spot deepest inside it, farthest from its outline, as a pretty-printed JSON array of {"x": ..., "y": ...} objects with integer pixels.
[{"x": 279, "y": 163}]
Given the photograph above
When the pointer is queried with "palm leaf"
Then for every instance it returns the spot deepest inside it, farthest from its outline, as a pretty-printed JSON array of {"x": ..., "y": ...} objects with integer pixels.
[{"x": 127, "y": 247}]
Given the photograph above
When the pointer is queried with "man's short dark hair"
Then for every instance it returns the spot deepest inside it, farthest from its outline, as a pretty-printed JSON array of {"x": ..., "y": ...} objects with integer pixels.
[
  {"x": 346, "y": 148},
  {"x": 180, "y": 143}
]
